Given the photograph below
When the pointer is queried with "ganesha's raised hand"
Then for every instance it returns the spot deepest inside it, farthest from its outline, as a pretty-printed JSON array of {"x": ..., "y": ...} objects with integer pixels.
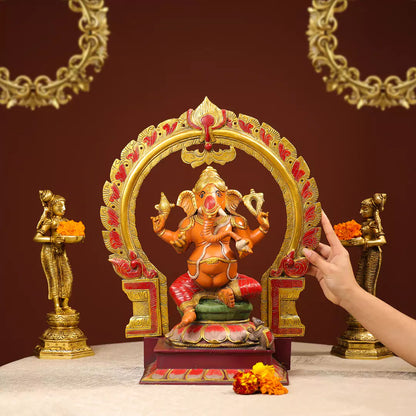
[
  {"x": 263, "y": 219},
  {"x": 158, "y": 223}
]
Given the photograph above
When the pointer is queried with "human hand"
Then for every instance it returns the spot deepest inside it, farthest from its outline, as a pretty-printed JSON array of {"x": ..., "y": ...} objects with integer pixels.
[
  {"x": 158, "y": 223},
  {"x": 331, "y": 266},
  {"x": 58, "y": 239}
]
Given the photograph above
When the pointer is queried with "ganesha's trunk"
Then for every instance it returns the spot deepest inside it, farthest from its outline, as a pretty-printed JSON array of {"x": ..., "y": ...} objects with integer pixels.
[{"x": 207, "y": 231}]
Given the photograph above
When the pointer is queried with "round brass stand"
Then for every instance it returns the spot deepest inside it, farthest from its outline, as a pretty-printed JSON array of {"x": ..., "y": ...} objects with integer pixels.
[
  {"x": 63, "y": 339},
  {"x": 357, "y": 343}
]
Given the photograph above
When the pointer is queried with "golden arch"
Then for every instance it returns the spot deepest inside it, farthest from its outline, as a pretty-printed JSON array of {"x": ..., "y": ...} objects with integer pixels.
[{"x": 145, "y": 285}]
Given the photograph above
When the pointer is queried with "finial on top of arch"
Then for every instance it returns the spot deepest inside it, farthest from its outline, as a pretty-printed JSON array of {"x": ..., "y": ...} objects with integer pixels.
[{"x": 207, "y": 117}]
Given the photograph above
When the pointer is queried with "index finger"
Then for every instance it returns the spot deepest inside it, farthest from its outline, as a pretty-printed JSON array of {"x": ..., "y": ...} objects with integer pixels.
[{"x": 333, "y": 240}]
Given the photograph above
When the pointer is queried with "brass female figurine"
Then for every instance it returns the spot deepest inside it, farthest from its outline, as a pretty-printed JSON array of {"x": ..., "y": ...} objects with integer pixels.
[
  {"x": 63, "y": 338},
  {"x": 357, "y": 342},
  {"x": 53, "y": 255},
  {"x": 372, "y": 239}
]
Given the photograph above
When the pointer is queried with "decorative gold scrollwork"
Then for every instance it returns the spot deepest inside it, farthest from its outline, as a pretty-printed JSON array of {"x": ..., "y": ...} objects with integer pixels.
[
  {"x": 372, "y": 91},
  {"x": 43, "y": 91}
]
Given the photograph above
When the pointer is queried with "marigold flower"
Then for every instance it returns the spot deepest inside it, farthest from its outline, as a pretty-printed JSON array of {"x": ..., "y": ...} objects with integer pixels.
[
  {"x": 347, "y": 230},
  {"x": 262, "y": 370},
  {"x": 71, "y": 228},
  {"x": 245, "y": 382},
  {"x": 272, "y": 385}
]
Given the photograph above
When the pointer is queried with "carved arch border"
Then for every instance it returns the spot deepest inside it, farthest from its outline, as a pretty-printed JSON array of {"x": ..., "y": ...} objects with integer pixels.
[
  {"x": 43, "y": 91},
  {"x": 371, "y": 91},
  {"x": 153, "y": 144}
]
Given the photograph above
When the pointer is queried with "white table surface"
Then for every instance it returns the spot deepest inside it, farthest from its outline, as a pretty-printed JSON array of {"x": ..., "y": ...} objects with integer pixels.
[{"x": 108, "y": 384}]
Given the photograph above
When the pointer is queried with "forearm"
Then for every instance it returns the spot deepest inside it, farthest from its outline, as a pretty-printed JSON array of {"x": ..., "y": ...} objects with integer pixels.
[
  {"x": 39, "y": 238},
  {"x": 393, "y": 328},
  {"x": 167, "y": 235},
  {"x": 257, "y": 235}
]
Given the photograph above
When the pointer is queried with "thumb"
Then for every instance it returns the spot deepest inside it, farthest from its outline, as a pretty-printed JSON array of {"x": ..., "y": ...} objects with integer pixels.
[{"x": 316, "y": 259}]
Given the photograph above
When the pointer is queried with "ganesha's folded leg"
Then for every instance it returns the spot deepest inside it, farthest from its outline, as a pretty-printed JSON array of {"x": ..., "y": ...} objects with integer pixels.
[
  {"x": 244, "y": 287},
  {"x": 183, "y": 290}
]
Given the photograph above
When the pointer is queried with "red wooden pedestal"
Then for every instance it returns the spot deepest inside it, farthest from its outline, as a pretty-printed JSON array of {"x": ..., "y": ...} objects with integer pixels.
[{"x": 166, "y": 364}]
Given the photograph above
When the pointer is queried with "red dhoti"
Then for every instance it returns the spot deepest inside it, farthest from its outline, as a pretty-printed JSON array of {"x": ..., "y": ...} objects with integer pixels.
[{"x": 186, "y": 292}]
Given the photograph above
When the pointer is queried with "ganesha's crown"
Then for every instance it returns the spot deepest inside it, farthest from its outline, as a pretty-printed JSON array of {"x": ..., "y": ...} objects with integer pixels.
[{"x": 210, "y": 175}]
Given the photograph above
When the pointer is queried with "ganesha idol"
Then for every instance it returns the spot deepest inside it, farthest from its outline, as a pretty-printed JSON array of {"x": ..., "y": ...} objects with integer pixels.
[{"x": 212, "y": 295}]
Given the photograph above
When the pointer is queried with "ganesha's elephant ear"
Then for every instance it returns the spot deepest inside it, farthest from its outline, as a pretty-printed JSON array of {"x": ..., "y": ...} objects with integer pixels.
[
  {"x": 186, "y": 200},
  {"x": 233, "y": 199}
]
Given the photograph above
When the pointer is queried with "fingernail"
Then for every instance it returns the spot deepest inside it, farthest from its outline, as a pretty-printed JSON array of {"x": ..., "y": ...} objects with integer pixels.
[{"x": 306, "y": 251}]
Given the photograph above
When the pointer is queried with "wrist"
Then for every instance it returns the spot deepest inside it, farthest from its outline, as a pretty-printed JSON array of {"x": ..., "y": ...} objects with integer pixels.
[
  {"x": 263, "y": 229},
  {"x": 351, "y": 296},
  {"x": 161, "y": 232}
]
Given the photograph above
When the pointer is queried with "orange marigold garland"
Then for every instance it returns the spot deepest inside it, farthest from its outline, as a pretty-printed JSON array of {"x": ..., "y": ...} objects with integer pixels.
[
  {"x": 261, "y": 378},
  {"x": 71, "y": 228},
  {"x": 348, "y": 230}
]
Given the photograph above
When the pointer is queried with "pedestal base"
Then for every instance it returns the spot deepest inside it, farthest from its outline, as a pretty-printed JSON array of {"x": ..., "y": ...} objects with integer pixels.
[
  {"x": 365, "y": 350},
  {"x": 63, "y": 339},
  {"x": 358, "y": 343},
  {"x": 167, "y": 364}
]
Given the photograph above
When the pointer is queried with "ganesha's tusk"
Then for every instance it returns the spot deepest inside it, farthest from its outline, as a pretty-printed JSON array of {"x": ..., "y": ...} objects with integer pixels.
[{"x": 222, "y": 212}]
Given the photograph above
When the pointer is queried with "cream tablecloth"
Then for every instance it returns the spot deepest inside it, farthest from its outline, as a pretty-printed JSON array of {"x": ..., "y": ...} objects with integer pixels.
[{"x": 107, "y": 384}]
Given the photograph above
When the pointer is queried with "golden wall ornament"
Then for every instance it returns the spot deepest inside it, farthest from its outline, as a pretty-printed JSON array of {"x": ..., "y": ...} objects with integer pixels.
[
  {"x": 372, "y": 91},
  {"x": 210, "y": 126},
  {"x": 43, "y": 91},
  {"x": 357, "y": 342},
  {"x": 63, "y": 339}
]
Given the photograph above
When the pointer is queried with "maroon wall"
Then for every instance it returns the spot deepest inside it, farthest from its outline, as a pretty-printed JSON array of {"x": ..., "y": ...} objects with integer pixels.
[{"x": 165, "y": 57}]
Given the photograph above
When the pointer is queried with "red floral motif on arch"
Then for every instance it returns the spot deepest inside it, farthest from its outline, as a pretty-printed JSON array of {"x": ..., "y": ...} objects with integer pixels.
[
  {"x": 291, "y": 266},
  {"x": 310, "y": 239},
  {"x": 245, "y": 126},
  {"x": 113, "y": 218},
  {"x": 297, "y": 173},
  {"x": 116, "y": 193},
  {"x": 132, "y": 269},
  {"x": 310, "y": 214},
  {"x": 170, "y": 129},
  {"x": 121, "y": 175},
  {"x": 134, "y": 156},
  {"x": 306, "y": 192},
  {"x": 265, "y": 137},
  {"x": 115, "y": 240},
  {"x": 284, "y": 153},
  {"x": 150, "y": 140}
]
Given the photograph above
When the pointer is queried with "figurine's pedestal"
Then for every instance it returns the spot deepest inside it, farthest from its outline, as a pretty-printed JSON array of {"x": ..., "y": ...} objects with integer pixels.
[
  {"x": 166, "y": 364},
  {"x": 358, "y": 343},
  {"x": 63, "y": 339}
]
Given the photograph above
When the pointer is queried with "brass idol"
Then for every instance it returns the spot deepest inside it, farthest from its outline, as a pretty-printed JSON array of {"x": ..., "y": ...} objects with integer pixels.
[
  {"x": 63, "y": 338},
  {"x": 357, "y": 342}
]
